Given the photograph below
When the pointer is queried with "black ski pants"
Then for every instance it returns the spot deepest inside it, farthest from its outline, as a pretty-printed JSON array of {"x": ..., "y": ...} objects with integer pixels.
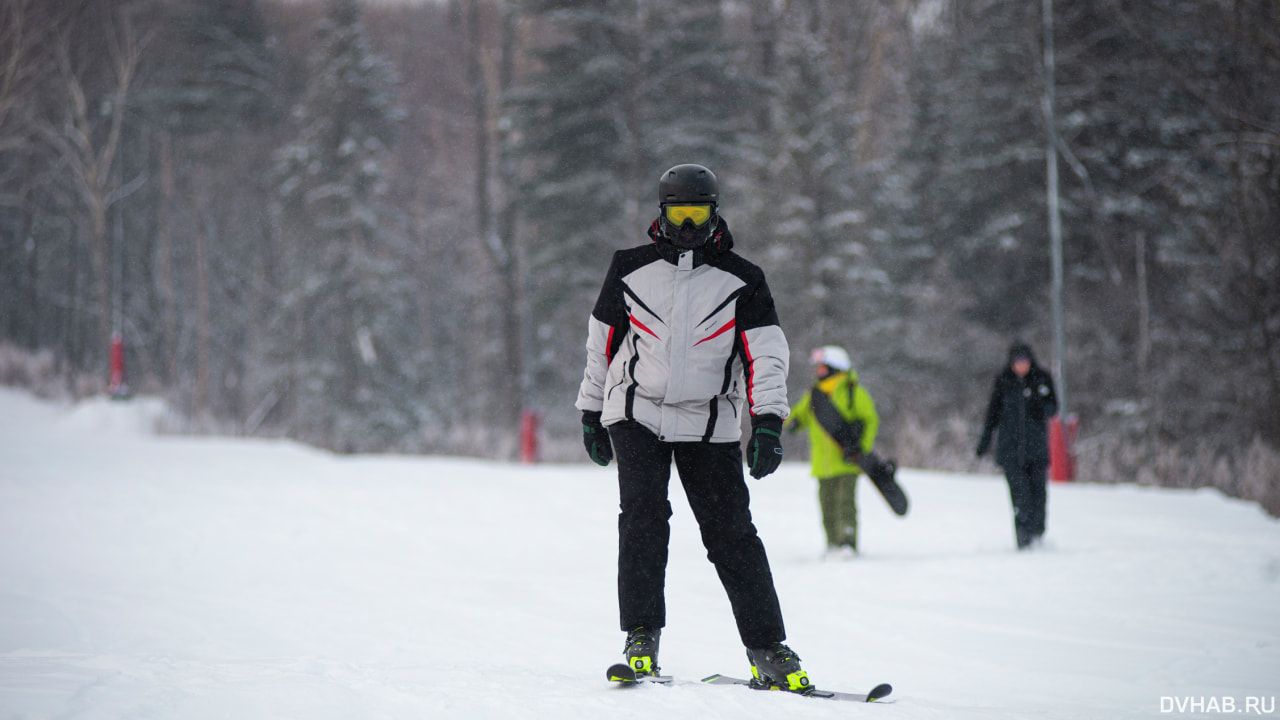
[
  {"x": 1029, "y": 491},
  {"x": 712, "y": 476}
]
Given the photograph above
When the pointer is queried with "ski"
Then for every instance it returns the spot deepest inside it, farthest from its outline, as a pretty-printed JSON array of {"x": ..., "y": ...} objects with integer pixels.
[
  {"x": 880, "y": 691},
  {"x": 622, "y": 674}
]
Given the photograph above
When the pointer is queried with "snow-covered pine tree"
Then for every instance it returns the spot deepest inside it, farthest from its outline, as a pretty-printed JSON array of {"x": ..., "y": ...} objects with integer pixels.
[
  {"x": 1170, "y": 113},
  {"x": 347, "y": 327},
  {"x": 618, "y": 92},
  {"x": 813, "y": 215},
  {"x": 209, "y": 105},
  {"x": 215, "y": 69},
  {"x": 827, "y": 204},
  {"x": 983, "y": 189}
]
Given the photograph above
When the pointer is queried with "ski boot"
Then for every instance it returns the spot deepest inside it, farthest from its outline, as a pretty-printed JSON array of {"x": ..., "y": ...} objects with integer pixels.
[
  {"x": 778, "y": 667},
  {"x": 642, "y": 650}
]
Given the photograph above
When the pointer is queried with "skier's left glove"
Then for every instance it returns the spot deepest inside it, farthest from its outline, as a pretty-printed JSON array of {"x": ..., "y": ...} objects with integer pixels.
[
  {"x": 596, "y": 438},
  {"x": 764, "y": 449}
]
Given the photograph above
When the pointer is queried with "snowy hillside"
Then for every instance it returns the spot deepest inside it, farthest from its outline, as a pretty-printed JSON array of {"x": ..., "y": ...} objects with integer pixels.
[{"x": 191, "y": 578}]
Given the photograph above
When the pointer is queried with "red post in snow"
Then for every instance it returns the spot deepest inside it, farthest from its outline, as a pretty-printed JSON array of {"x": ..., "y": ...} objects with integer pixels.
[
  {"x": 1062, "y": 441},
  {"x": 528, "y": 436},
  {"x": 116, "y": 386}
]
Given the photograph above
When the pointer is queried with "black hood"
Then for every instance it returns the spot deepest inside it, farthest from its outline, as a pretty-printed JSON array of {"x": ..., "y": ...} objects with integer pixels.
[{"x": 1020, "y": 349}]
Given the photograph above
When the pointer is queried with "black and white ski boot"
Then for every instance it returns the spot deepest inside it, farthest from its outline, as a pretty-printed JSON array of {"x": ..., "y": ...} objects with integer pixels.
[{"x": 778, "y": 667}]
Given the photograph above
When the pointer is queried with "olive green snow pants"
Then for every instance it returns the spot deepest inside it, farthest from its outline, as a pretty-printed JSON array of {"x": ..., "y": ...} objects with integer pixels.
[{"x": 839, "y": 510}]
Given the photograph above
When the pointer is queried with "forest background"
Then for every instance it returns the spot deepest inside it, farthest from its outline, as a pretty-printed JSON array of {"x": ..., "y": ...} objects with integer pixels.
[{"x": 380, "y": 226}]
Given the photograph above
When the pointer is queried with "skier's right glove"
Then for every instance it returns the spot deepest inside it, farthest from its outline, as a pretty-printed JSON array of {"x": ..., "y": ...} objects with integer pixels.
[
  {"x": 596, "y": 438},
  {"x": 983, "y": 445}
]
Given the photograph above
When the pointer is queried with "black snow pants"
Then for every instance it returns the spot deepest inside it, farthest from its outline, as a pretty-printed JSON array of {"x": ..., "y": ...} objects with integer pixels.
[
  {"x": 1029, "y": 491},
  {"x": 712, "y": 476}
]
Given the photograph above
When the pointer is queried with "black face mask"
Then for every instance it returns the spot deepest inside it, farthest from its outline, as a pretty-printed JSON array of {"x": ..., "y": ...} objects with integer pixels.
[{"x": 689, "y": 237}]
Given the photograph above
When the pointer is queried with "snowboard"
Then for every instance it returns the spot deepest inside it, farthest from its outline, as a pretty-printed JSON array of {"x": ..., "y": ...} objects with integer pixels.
[
  {"x": 880, "y": 691},
  {"x": 882, "y": 474}
]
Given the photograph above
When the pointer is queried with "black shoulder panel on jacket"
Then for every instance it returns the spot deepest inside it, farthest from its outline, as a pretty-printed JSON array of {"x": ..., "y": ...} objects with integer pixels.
[
  {"x": 610, "y": 308},
  {"x": 756, "y": 308},
  {"x": 628, "y": 261}
]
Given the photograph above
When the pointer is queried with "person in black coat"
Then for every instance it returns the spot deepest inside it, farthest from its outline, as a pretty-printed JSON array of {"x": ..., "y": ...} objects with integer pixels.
[{"x": 1021, "y": 404}]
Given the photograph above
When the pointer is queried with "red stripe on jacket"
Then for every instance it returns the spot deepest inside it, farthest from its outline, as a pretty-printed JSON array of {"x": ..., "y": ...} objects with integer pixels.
[
  {"x": 751, "y": 368},
  {"x": 640, "y": 325},
  {"x": 727, "y": 326}
]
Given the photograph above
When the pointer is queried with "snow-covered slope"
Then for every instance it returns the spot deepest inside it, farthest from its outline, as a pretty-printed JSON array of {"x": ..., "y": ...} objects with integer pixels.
[{"x": 166, "y": 577}]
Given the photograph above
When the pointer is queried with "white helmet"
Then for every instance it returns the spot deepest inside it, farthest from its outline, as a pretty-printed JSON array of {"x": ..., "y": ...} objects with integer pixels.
[{"x": 833, "y": 356}]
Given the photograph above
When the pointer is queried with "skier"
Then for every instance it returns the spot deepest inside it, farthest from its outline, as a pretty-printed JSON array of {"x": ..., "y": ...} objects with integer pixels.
[
  {"x": 1021, "y": 403},
  {"x": 837, "y": 474},
  {"x": 684, "y": 330}
]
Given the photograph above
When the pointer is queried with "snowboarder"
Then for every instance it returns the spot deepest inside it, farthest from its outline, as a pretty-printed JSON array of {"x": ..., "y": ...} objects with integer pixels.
[
  {"x": 837, "y": 473},
  {"x": 683, "y": 332},
  {"x": 1022, "y": 401}
]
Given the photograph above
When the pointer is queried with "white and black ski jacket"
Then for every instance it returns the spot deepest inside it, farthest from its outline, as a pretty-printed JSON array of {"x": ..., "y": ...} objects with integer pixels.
[{"x": 678, "y": 339}]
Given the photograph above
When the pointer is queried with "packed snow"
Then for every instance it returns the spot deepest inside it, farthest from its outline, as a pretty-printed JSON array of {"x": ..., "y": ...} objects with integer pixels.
[{"x": 156, "y": 576}]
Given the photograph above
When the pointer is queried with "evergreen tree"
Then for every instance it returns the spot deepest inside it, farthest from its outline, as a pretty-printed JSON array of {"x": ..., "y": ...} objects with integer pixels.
[
  {"x": 826, "y": 262},
  {"x": 1182, "y": 150},
  {"x": 830, "y": 201},
  {"x": 981, "y": 132},
  {"x": 215, "y": 69},
  {"x": 347, "y": 325},
  {"x": 1165, "y": 116},
  {"x": 208, "y": 104},
  {"x": 620, "y": 91}
]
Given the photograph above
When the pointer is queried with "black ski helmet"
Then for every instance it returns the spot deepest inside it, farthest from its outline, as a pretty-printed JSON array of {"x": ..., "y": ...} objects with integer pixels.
[{"x": 688, "y": 184}]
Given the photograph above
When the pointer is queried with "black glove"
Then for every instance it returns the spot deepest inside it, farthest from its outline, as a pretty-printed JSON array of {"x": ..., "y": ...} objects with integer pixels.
[
  {"x": 596, "y": 438},
  {"x": 764, "y": 449},
  {"x": 983, "y": 445}
]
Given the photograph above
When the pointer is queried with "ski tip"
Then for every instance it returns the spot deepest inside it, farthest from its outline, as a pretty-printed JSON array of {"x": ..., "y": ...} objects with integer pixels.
[
  {"x": 620, "y": 673},
  {"x": 879, "y": 691},
  {"x": 625, "y": 675}
]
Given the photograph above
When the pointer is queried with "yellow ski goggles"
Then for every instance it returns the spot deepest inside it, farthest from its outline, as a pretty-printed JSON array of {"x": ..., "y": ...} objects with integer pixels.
[{"x": 677, "y": 214}]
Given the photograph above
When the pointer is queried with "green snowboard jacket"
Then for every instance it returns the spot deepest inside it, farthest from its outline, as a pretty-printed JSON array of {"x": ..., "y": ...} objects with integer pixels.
[{"x": 854, "y": 403}]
